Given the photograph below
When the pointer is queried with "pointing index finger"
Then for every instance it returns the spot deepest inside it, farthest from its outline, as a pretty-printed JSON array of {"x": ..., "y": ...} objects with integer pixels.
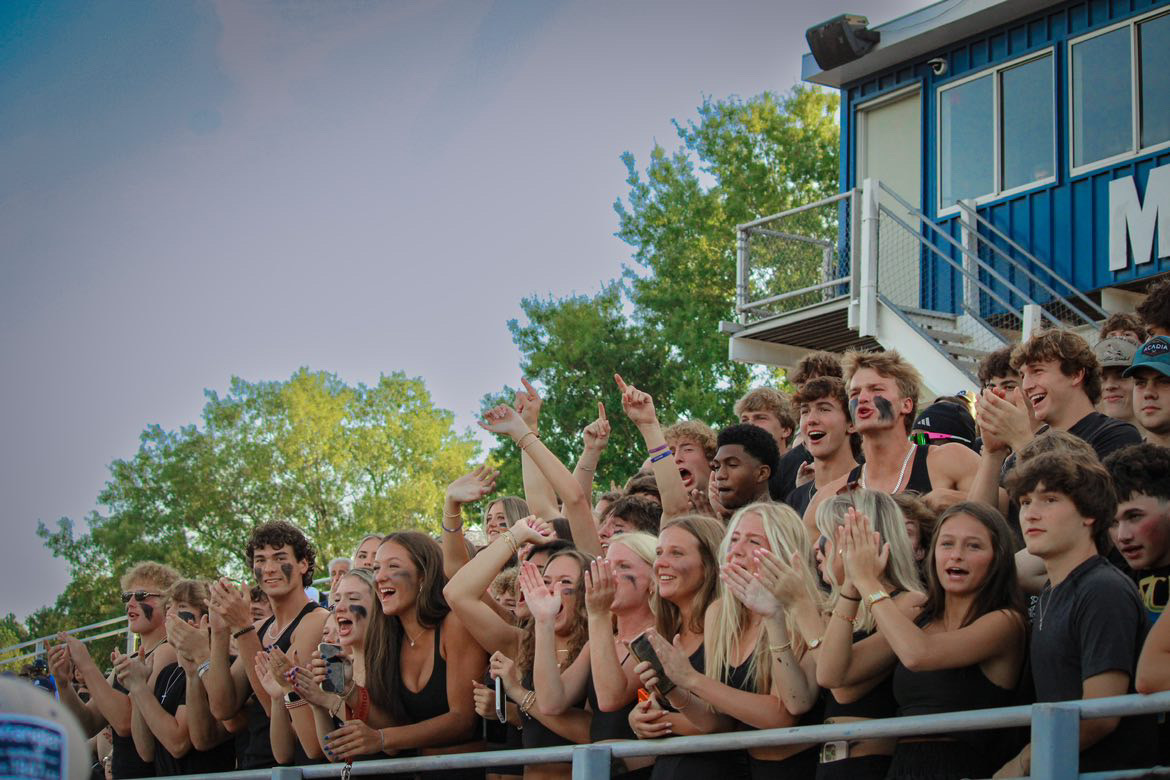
[
  {"x": 621, "y": 383},
  {"x": 601, "y": 411},
  {"x": 528, "y": 386}
]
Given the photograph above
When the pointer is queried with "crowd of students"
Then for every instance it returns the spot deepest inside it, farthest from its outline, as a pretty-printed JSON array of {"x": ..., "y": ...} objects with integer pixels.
[{"x": 838, "y": 556}]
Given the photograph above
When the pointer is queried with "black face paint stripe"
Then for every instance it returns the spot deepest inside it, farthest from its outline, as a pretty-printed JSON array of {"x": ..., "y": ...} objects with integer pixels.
[
  {"x": 853, "y": 409},
  {"x": 147, "y": 611},
  {"x": 258, "y": 573},
  {"x": 286, "y": 569},
  {"x": 358, "y": 611},
  {"x": 884, "y": 408}
]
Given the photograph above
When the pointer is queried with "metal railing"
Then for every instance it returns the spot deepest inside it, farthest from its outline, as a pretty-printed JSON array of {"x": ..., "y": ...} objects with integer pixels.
[
  {"x": 40, "y": 643},
  {"x": 797, "y": 258},
  {"x": 1054, "y": 737},
  {"x": 1070, "y": 306}
]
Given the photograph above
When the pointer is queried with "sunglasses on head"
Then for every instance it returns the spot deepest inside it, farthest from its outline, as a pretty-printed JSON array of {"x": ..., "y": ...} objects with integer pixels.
[{"x": 138, "y": 595}]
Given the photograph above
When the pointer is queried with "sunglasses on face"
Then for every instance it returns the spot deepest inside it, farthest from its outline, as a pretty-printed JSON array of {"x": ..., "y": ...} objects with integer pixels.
[{"x": 139, "y": 596}]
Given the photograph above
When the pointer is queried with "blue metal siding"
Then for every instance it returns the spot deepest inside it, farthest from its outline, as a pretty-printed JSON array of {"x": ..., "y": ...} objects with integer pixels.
[{"x": 1064, "y": 224}]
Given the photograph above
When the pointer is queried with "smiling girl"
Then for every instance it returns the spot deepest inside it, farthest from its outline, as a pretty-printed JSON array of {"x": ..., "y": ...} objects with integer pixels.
[{"x": 965, "y": 649}]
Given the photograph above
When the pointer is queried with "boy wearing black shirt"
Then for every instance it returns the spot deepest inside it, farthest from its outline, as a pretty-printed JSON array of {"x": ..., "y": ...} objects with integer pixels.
[{"x": 1090, "y": 623}]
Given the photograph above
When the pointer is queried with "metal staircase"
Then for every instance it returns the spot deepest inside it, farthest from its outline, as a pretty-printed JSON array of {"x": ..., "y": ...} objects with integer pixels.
[{"x": 866, "y": 269}]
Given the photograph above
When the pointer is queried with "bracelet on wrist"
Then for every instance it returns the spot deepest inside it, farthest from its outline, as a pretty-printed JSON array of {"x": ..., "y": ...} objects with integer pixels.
[
  {"x": 242, "y": 631},
  {"x": 815, "y": 643},
  {"x": 780, "y": 648},
  {"x": 850, "y": 598},
  {"x": 659, "y": 448},
  {"x": 202, "y": 670},
  {"x": 662, "y": 455},
  {"x": 586, "y": 468},
  {"x": 521, "y": 443}
]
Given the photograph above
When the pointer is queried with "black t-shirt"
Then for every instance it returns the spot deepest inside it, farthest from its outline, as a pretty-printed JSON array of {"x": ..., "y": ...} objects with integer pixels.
[
  {"x": 171, "y": 691},
  {"x": 1154, "y": 587},
  {"x": 783, "y": 481},
  {"x": 801, "y": 496},
  {"x": 1091, "y": 623},
  {"x": 1105, "y": 434}
]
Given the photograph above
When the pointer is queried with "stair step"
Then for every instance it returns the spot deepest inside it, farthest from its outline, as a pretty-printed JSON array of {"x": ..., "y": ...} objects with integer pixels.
[
  {"x": 975, "y": 354},
  {"x": 950, "y": 336}
]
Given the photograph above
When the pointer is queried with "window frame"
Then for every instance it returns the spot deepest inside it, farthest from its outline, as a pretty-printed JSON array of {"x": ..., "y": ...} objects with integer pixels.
[
  {"x": 995, "y": 72},
  {"x": 1135, "y": 147}
]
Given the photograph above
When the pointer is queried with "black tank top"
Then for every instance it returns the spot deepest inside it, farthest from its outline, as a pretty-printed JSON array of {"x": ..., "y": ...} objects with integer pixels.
[
  {"x": 877, "y": 702},
  {"x": 259, "y": 752},
  {"x": 950, "y": 690},
  {"x": 171, "y": 691},
  {"x": 124, "y": 760},
  {"x": 726, "y": 765},
  {"x": 431, "y": 700},
  {"x": 607, "y": 725},
  {"x": 919, "y": 481},
  {"x": 535, "y": 734}
]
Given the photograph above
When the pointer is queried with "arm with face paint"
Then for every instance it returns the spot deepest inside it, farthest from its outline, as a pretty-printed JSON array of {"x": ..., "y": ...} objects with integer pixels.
[
  {"x": 639, "y": 407},
  {"x": 576, "y": 507},
  {"x": 464, "y": 592}
]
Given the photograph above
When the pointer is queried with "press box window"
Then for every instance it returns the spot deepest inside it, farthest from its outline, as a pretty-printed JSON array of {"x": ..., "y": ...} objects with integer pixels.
[
  {"x": 996, "y": 132},
  {"x": 1120, "y": 82}
]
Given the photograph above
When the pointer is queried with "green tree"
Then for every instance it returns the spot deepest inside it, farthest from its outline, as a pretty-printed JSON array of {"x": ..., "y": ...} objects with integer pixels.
[
  {"x": 572, "y": 347},
  {"x": 740, "y": 160},
  {"x": 338, "y": 460}
]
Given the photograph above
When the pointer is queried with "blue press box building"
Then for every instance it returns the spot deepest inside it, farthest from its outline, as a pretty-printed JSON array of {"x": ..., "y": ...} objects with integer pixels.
[{"x": 1005, "y": 165}]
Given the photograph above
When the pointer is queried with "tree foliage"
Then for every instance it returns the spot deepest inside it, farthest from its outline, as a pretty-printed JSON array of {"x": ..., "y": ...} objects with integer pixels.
[
  {"x": 739, "y": 160},
  {"x": 340, "y": 461}
]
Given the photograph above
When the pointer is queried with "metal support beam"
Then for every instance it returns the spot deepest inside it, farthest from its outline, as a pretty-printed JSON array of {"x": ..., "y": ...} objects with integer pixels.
[
  {"x": 591, "y": 762},
  {"x": 970, "y": 240},
  {"x": 1056, "y": 732},
  {"x": 286, "y": 773},
  {"x": 867, "y": 296},
  {"x": 1033, "y": 320}
]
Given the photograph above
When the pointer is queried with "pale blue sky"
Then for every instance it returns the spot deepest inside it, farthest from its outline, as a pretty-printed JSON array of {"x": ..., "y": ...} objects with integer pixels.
[{"x": 192, "y": 190}]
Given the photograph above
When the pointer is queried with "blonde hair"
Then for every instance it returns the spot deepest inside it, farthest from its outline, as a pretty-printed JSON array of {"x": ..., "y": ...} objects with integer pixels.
[
  {"x": 890, "y": 365},
  {"x": 157, "y": 574},
  {"x": 786, "y": 536},
  {"x": 888, "y": 520},
  {"x": 641, "y": 543},
  {"x": 691, "y": 431}
]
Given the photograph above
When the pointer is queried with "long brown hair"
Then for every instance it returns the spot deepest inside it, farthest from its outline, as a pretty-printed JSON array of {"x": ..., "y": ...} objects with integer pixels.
[
  {"x": 1001, "y": 589},
  {"x": 384, "y": 635},
  {"x": 579, "y": 628},
  {"x": 708, "y": 532}
]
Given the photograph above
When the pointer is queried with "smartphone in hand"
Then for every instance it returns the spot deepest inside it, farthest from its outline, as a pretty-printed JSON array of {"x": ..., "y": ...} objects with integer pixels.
[
  {"x": 335, "y": 668},
  {"x": 644, "y": 651}
]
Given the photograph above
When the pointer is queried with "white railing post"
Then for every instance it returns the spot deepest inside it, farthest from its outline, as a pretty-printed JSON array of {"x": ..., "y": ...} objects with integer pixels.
[
  {"x": 867, "y": 297},
  {"x": 1033, "y": 320},
  {"x": 129, "y": 640},
  {"x": 970, "y": 240},
  {"x": 1055, "y": 740},
  {"x": 742, "y": 259}
]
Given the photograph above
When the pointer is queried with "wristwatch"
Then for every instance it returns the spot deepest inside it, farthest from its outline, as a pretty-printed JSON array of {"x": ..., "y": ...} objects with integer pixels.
[{"x": 875, "y": 597}]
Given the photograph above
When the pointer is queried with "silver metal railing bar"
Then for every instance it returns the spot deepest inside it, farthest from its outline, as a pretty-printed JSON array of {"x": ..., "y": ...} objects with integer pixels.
[
  {"x": 797, "y": 210},
  {"x": 972, "y": 256},
  {"x": 843, "y": 281},
  {"x": 1047, "y": 738},
  {"x": 979, "y": 220}
]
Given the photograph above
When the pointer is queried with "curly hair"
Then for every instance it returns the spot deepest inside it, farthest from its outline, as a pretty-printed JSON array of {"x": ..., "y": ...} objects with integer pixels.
[
  {"x": 1140, "y": 469},
  {"x": 996, "y": 364},
  {"x": 277, "y": 534},
  {"x": 159, "y": 575},
  {"x": 1155, "y": 309},
  {"x": 889, "y": 365},
  {"x": 1068, "y": 349},
  {"x": 1121, "y": 322},
  {"x": 691, "y": 431},
  {"x": 816, "y": 364}
]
